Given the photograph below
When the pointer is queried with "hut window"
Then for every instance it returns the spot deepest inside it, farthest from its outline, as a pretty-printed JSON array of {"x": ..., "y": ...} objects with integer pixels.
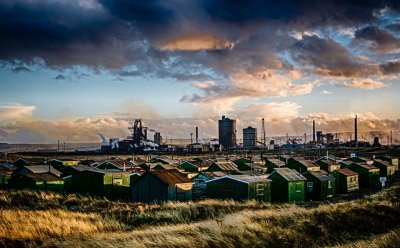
[{"x": 298, "y": 187}]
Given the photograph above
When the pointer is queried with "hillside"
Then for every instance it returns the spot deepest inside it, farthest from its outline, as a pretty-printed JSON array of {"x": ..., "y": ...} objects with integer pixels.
[{"x": 33, "y": 219}]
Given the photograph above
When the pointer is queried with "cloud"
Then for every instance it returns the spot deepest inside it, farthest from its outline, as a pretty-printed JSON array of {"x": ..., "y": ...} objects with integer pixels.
[
  {"x": 195, "y": 42},
  {"x": 378, "y": 40},
  {"x": 367, "y": 84},
  {"x": 15, "y": 111},
  {"x": 326, "y": 92},
  {"x": 328, "y": 58}
]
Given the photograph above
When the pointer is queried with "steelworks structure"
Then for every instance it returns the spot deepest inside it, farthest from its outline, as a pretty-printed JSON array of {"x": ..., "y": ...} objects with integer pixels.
[{"x": 227, "y": 132}]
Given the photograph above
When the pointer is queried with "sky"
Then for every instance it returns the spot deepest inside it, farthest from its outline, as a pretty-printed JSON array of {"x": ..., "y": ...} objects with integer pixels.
[{"x": 70, "y": 69}]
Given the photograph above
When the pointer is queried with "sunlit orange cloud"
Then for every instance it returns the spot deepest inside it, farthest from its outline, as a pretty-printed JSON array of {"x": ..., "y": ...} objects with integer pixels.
[
  {"x": 195, "y": 42},
  {"x": 15, "y": 111}
]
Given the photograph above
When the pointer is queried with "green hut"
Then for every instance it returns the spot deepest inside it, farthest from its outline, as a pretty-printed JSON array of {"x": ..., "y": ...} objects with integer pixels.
[
  {"x": 239, "y": 188},
  {"x": 227, "y": 167},
  {"x": 328, "y": 165},
  {"x": 89, "y": 181},
  {"x": 320, "y": 185},
  {"x": 243, "y": 163},
  {"x": 189, "y": 167},
  {"x": 271, "y": 164},
  {"x": 287, "y": 185},
  {"x": 386, "y": 169},
  {"x": 161, "y": 186},
  {"x": 346, "y": 180},
  {"x": 38, "y": 181},
  {"x": 302, "y": 165},
  {"x": 391, "y": 160},
  {"x": 368, "y": 175}
]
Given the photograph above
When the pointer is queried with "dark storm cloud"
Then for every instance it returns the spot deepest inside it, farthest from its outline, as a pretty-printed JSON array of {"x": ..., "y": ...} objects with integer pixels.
[
  {"x": 63, "y": 33},
  {"x": 327, "y": 57},
  {"x": 381, "y": 41},
  {"x": 305, "y": 13},
  {"x": 392, "y": 67},
  {"x": 186, "y": 40},
  {"x": 393, "y": 27}
]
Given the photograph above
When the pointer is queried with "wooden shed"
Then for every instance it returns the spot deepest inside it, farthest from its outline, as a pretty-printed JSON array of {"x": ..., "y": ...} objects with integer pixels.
[
  {"x": 38, "y": 181},
  {"x": 368, "y": 175},
  {"x": 188, "y": 166},
  {"x": 320, "y": 185},
  {"x": 271, "y": 164},
  {"x": 161, "y": 186},
  {"x": 302, "y": 165},
  {"x": 227, "y": 167},
  {"x": 346, "y": 180},
  {"x": 200, "y": 185},
  {"x": 386, "y": 169},
  {"x": 86, "y": 181},
  {"x": 328, "y": 165},
  {"x": 243, "y": 164},
  {"x": 391, "y": 160},
  {"x": 240, "y": 188},
  {"x": 287, "y": 185}
]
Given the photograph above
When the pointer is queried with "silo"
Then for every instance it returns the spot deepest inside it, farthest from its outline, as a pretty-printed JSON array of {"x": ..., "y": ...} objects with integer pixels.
[
  {"x": 227, "y": 132},
  {"x": 249, "y": 138}
]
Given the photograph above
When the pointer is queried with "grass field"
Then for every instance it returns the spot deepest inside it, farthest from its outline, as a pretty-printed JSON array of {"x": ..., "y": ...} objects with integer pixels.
[{"x": 34, "y": 219}]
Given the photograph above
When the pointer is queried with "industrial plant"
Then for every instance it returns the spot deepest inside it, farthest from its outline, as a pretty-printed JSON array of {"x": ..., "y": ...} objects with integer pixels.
[{"x": 139, "y": 140}]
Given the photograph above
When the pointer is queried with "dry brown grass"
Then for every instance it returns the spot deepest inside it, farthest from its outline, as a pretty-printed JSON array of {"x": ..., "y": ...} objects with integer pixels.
[
  {"x": 34, "y": 225},
  {"x": 96, "y": 222}
]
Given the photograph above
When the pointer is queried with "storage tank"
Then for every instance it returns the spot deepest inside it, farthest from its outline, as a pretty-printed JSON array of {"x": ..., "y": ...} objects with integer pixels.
[
  {"x": 227, "y": 132},
  {"x": 249, "y": 138}
]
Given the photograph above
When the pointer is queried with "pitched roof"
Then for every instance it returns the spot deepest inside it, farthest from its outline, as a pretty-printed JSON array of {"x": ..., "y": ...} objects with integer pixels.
[
  {"x": 387, "y": 164},
  {"x": 214, "y": 174},
  {"x": 347, "y": 172},
  {"x": 42, "y": 169},
  {"x": 307, "y": 163},
  {"x": 81, "y": 167},
  {"x": 330, "y": 162},
  {"x": 227, "y": 166},
  {"x": 321, "y": 175},
  {"x": 42, "y": 177},
  {"x": 276, "y": 162},
  {"x": 170, "y": 177},
  {"x": 243, "y": 178},
  {"x": 367, "y": 166},
  {"x": 289, "y": 174}
]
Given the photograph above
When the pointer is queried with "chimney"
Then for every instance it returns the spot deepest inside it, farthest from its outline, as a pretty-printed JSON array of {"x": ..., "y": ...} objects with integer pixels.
[
  {"x": 313, "y": 131},
  {"x": 355, "y": 132},
  {"x": 197, "y": 134}
]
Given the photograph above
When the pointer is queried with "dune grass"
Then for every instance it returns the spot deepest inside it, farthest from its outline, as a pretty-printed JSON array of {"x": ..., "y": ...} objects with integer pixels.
[{"x": 72, "y": 220}]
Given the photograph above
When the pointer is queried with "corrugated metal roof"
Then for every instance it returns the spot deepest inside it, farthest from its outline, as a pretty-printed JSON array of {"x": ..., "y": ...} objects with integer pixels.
[
  {"x": 289, "y": 174},
  {"x": 322, "y": 175},
  {"x": 367, "y": 166},
  {"x": 387, "y": 164},
  {"x": 227, "y": 166},
  {"x": 41, "y": 177},
  {"x": 330, "y": 162},
  {"x": 307, "y": 163},
  {"x": 347, "y": 172},
  {"x": 215, "y": 174},
  {"x": 170, "y": 177},
  {"x": 276, "y": 161},
  {"x": 41, "y": 169},
  {"x": 242, "y": 178}
]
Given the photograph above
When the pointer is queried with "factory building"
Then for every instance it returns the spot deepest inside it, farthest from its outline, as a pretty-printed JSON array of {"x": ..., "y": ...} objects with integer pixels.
[
  {"x": 249, "y": 138},
  {"x": 227, "y": 132}
]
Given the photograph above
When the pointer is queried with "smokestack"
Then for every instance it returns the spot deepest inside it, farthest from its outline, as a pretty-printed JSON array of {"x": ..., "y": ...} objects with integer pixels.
[
  {"x": 197, "y": 134},
  {"x": 355, "y": 132},
  {"x": 313, "y": 131}
]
